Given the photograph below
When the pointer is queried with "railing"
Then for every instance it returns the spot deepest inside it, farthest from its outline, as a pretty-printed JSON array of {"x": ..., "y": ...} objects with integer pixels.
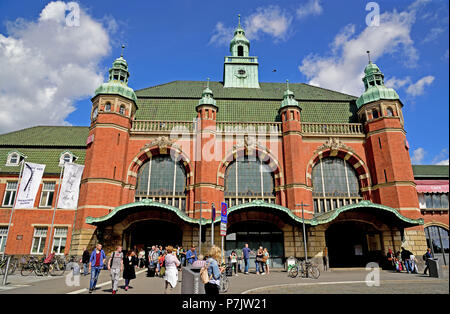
[
  {"x": 248, "y": 127},
  {"x": 233, "y": 201},
  {"x": 175, "y": 201},
  {"x": 333, "y": 128},
  {"x": 325, "y": 204},
  {"x": 146, "y": 126},
  {"x": 162, "y": 126},
  {"x": 241, "y": 59}
]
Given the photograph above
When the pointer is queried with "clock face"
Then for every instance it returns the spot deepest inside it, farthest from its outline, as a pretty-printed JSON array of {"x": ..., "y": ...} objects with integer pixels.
[{"x": 241, "y": 73}]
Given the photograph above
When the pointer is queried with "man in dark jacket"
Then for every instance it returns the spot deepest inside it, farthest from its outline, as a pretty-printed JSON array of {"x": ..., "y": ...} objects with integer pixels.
[
  {"x": 406, "y": 258},
  {"x": 85, "y": 261},
  {"x": 427, "y": 256}
]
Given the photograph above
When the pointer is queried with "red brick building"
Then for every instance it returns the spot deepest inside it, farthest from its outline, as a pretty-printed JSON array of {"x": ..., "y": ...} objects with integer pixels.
[{"x": 154, "y": 156}]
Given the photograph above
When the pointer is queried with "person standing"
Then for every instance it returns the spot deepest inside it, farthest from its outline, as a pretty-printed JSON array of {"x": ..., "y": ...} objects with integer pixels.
[
  {"x": 115, "y": 266},
  {"x": 406, "y": 258},
  {"x": 141, "y": 257},
  {"x": 213, "y": 286},
  {"x": 233, "y": 261},
  {"x": 85, "y": 261},
  {"x": 390, "y": 259},
  {"x": 153, "y": 260},
  {"x": 266, "y": 257},
  {"x": 171, "y": 272},
  {"x": 129, "y": 264},
  {"x": 182, "y": 256},
  {"x": 191, "y": 255},
  {"x": 96, "y": 262},
  {"x": 260, "y": 261},
  {"x": 246, "y": 256},
  {"x": 426, "y": 257}
]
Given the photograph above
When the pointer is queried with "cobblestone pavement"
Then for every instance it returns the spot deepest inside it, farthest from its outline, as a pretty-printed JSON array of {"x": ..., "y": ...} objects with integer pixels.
[{"x": 339, "y": 281}]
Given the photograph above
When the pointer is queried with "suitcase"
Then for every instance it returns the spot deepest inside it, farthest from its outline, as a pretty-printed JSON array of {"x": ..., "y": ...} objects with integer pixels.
[{"x": 151, "y": 272}]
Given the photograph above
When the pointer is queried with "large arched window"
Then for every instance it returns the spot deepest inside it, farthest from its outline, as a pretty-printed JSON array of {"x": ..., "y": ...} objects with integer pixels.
[
  {"x": 437, "y": 241},
  {"x": 335, "y": 184},
  {"x": 247, "y": 179},
  {"x": 163, "y": 180}
]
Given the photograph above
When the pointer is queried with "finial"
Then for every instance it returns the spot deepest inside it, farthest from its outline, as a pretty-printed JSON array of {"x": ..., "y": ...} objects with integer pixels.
[
  {"x": 123, "y": 47},
  {"x": 368, "y": 54},
  {"x": 207, "y": 84},
  {"x": 287, "y": 84},
  {"x": 239, "y": 17}
]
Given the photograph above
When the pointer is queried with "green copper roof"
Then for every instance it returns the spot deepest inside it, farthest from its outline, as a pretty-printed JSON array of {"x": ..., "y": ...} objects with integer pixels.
[
  {"x": 116, "y": 88},
  {"x": 289, "y": 98},
  {"x": 430, "y": 171},
  {"x": 207, "y": 97},
  {"x": 366, "y": 205},
  {"x": 374, "y": 86},
  {"x": 176, "y": 101}
]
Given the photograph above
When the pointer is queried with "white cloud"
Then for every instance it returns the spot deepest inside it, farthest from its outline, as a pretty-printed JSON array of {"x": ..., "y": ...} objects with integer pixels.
[
  {"x": 418, "y": 87},
  {"x": 271, "y": 21},
  {"x": 441, "y": 158},
  {"x": 342, "y": 69},
  {"x": 313, "y": 7},
  {"x": 418, "y": 155},
  {"x": 443, "y": 162},
  {"x": 433, "y": 34},
  {"x": 396, "y": 83},
  {"x": 47, "y": 66}
]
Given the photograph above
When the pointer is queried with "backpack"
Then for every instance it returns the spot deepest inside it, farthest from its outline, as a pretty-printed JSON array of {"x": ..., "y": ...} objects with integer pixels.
[
  {"x": 425, "y": 257},
  {"x": 204, "y": 274}
]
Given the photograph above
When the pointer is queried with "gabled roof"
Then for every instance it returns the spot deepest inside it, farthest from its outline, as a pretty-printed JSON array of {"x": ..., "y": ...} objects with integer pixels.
[
  {"x": 67, "y": 136},
  {"x": 176, "y": 101},
  {"x": 430, "y": 171}
]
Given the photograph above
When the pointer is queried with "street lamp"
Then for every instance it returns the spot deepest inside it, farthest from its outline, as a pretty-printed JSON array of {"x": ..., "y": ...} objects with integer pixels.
[
  {"x": 304, "y": 231},
  {"x": 200, "y": 228}
]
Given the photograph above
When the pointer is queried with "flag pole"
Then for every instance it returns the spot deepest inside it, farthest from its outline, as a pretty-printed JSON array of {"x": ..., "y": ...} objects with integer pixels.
[
  {"x": 15, "y": 199},
  {"x": 50, "y": 238}
]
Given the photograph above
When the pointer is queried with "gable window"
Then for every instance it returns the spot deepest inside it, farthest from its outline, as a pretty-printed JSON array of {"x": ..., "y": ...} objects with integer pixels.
[
  {"x": 13, "y": 159},
  {"x": 48, "y": 191},
  {"x": 10, "y": 194}
]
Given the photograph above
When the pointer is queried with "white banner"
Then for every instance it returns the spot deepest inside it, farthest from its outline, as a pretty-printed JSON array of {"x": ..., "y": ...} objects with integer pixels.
[
  {"x": 29, "y": 185},
  {"x": 70, "y": 188}
]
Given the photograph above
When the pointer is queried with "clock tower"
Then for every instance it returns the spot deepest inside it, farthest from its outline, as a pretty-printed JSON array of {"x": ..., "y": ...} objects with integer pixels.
[{"x": 240, "y": 70}]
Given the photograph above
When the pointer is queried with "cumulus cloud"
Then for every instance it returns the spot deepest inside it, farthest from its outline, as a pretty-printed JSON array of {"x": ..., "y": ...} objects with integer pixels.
[
  {"x": 418, "y": 155},
  {"x": 418, "y": 87},
  {"x": 441, "y": 158},
  {"x": 312, "y": 7},
  {"x": 433, "y": 34},
  {"x": 396, "y": 83},
  {"x": 271, "y": 21},
  {"x": 342, "y": 69},
  {"x": 47, "y": 65}
]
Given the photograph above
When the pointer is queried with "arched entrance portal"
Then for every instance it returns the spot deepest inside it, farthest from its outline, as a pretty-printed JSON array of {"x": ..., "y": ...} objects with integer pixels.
[
  {"x": 256, "y": 234},
  {"x": 353, "y": 244},
  {"x": 152, "y": 232}
]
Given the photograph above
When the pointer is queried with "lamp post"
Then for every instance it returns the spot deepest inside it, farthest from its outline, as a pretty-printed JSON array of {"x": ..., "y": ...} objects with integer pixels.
[
  {"x": 304, "y": 230},
  {"x": 200, "y": 227}
]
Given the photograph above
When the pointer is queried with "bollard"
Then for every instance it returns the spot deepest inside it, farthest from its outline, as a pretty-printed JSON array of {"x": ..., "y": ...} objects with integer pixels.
[{"x": 5, "y": 275}]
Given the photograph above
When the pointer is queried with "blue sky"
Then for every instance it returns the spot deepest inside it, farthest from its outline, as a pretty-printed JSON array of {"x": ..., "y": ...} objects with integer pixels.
[{"x": 52, "y": 70}]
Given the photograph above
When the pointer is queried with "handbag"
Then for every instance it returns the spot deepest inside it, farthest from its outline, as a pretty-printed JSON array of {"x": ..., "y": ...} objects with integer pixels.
[{"x": 204, "y": 274}]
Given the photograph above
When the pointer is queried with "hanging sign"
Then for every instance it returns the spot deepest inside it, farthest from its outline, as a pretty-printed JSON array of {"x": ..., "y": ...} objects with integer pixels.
[
  {"x": 70, "y": 188},
  {"x": 29, "y": 185}
]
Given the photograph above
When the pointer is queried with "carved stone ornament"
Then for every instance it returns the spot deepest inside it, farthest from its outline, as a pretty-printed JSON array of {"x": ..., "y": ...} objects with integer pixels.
[
  {"x": 163, "y": 142},
  {"x": 333, "y": 144}
]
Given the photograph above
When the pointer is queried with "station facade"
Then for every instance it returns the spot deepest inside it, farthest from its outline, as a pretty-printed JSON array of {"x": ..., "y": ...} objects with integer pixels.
[{"x": 280, "y": 155}]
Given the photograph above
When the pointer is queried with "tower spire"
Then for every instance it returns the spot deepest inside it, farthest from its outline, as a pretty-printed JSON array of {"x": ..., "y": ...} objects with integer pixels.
[
  {"x": 368, "y": 54},
  {"x": 123, "y": 47},
  {"x": 239, "y": 20}
]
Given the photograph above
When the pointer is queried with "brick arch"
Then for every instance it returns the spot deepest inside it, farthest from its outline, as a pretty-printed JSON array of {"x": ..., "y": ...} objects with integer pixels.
[
  {"x": 436, "y": 224},
  {"x": 255, "y": 215},
  {"x": 352, "y": 158},
  {"x": 144, "y": 155},
  {"x": 265, "y": 155}
]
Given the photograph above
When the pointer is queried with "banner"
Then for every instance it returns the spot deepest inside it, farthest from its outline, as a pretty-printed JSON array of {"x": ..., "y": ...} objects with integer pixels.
[
  {"x": 29, "y": 185},
  {"x": 70, "y": 186}
]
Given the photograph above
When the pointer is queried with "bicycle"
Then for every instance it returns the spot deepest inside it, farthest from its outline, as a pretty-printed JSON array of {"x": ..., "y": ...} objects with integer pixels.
[
  {"x": 306, "y": 269},
  {"x": 12, "y": 265},
  {"x": 30, "y": 266}
]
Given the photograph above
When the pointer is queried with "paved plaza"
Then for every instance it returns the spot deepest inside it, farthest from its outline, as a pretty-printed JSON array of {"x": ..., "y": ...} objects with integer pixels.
[{"x": 277, "y": 282}]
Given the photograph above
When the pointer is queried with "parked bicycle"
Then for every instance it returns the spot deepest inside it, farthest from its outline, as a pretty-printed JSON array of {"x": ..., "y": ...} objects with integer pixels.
[
  {"x": 55, "y": 267},
  {"x": 30, "y": 266},
  {"x": 13, "y": 263},
  {"x": 306, "y": 269}
]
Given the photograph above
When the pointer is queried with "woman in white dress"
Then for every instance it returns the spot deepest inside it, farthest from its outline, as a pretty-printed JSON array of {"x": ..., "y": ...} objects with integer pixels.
[{"x": 171, "y": 275}]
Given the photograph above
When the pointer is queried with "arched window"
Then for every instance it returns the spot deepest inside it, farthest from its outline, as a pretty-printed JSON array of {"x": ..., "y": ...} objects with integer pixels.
[
  {"x": 335, "y": 184},
  {"x": 247, "y": 179},
  {"x": 390, "y": 112},
  {"x": 122, "y": 110},
  {"x": 108, "y": 107},
  {"x": 240, "y": 51},
  {"x": 375, "y": 114},
  {"x": 437, "y": 241},
  {"x": 163, "y": 180}
]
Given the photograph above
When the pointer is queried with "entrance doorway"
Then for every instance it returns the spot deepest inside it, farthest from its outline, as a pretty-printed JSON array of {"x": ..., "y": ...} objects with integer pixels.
[
  {"x": 144, "y": 234},
  {"x": 256, "y": 234},
  {"x": 353, "y": 244}
]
